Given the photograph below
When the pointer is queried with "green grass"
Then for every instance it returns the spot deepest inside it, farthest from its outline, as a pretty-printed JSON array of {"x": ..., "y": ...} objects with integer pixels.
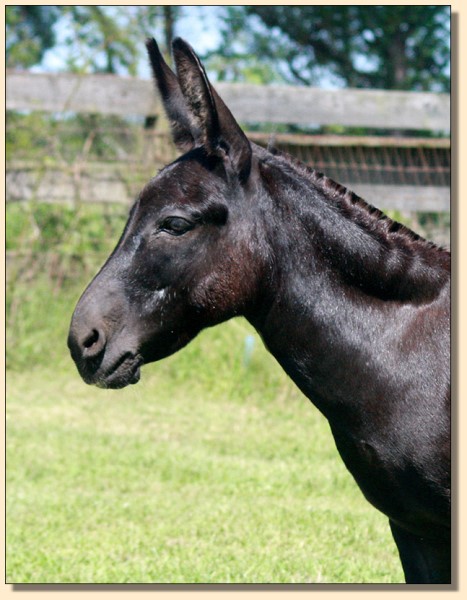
[{"x": 207, "y": 471}]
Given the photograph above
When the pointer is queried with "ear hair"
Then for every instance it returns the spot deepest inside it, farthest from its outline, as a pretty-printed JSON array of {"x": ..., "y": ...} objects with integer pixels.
[
  {"x": 174, "y": 102},
  {"x": 197, "y": 91},
  {"x": 217, "y": 129},
  {"x": 197, "y": 115}
]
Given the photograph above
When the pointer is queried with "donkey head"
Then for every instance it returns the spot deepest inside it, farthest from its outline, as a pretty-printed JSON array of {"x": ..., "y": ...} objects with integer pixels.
[{"x": 186, "y": 259}]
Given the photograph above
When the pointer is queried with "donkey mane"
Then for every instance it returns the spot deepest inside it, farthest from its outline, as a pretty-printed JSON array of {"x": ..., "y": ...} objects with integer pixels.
[{"x": 370, "y": 218}]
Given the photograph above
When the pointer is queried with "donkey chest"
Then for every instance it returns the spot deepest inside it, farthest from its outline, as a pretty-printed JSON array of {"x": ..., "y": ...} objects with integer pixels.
[{"x": 405, "y": 487}]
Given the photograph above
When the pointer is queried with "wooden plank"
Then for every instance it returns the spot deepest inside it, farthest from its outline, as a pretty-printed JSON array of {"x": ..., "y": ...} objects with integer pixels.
[
  {"x": 369, "y": 141},
  {"x": 56, "y": 186},
  {"x": 69, "y": 92},
  {"x": 350, "y": 107},
  {"x": 101, "y": 184},
  {"x": 109, "y": 94}
]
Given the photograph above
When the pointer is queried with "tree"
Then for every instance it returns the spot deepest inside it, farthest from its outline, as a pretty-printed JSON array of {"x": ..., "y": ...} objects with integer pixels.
[
  {"x": 29, "y": 33},
  {"x": 94, "y": 38},
  {"x": 386, "y": 46},
  {"x": 100, "y": 39},
  {"x": 111, "y": 38}
]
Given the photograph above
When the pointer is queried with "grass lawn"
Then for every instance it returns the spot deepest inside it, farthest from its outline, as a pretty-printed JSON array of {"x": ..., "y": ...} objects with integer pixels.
[{"x": 207, "y": 471}]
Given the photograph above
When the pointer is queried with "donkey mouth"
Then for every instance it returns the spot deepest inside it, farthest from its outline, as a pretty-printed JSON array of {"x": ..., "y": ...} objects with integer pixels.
[{"x": 124, "y": 371}]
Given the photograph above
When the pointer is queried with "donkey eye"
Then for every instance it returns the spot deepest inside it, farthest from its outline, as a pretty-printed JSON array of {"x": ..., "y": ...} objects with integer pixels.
[{"x": 176, "y": 225}]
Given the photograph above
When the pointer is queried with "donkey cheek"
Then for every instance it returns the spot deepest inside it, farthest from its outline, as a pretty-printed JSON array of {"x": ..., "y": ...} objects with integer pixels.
[{"x": 222, "y": 297}]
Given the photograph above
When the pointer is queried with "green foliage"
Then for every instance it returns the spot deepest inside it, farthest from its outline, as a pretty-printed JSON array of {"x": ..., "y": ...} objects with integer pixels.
[
  {"x": 61, "y": 229},
  {"x": 26, "y": 134},
  {"x": 102, "y": 38},
  {"x": 235, "y": 66},
  {"x": 388, "y": 47},
  {"x": 29, "y": 33},
  {"x": 235, "y": 59},
  {"x": 95, "y": 38},
  {"x": 49, "y": 139},
  {"x": 54, "y": 246}
]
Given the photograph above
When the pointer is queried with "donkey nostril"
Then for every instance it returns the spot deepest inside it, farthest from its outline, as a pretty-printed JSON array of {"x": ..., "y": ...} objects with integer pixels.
[
  {"x": 92, "y": 339},
  {"x": 93, "y": 344}
]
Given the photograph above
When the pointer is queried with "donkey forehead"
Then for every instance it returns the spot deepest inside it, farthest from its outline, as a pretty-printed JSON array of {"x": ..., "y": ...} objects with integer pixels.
[{"x": 185, "y": 181}]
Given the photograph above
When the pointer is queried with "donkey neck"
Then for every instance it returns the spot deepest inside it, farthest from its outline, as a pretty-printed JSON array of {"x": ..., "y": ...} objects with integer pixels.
[
  {"x": 331, "y": 229},
  {"x": 343, "y": 278}
]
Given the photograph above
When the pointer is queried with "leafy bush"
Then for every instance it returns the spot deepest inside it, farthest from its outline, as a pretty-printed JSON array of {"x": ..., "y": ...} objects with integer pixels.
[{"x": 54, "y": 251}]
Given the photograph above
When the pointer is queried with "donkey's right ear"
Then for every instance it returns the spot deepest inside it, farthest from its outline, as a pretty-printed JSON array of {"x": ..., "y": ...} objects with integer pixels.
[{"x": 174, "y": 102}]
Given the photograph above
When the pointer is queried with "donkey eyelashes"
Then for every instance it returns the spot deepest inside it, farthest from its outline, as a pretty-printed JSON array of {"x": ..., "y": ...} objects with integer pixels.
[{"x": 176, "y": 225}]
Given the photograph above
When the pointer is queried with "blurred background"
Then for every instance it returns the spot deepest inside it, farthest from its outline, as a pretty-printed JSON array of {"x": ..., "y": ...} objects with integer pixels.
[{"x": 358, "y": 92}]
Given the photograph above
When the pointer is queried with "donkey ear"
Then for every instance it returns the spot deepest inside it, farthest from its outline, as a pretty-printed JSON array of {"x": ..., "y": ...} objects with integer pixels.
[
  {"x": 215, "y": 127},
  {"x": 179, "y": 116}
]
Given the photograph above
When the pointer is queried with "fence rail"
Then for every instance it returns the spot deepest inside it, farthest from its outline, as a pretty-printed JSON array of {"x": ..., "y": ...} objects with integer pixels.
[
  {"x": 110, "y": 94},
  {"x": 408, "y": 174},
  {"x": 115, "y": 184}
]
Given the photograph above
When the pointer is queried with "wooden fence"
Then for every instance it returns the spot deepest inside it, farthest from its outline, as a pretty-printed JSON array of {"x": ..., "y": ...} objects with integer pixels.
[
  {"x": 251, "y": 104},
  {"x": 109, "y": 94}
]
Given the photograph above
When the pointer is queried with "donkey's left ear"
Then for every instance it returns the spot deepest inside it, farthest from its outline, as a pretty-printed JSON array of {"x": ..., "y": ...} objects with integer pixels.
[{"x": 216, "y": 128}]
